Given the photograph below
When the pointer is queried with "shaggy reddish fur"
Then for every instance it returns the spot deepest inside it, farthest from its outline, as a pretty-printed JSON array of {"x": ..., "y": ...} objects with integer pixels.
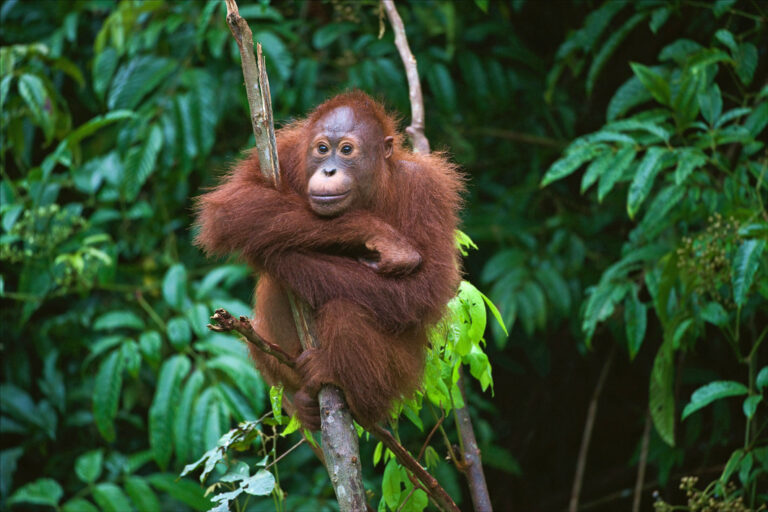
[{"x": 371, "y": 327}]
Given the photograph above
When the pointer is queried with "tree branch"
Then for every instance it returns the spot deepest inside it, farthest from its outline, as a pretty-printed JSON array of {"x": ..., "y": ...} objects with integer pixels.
[
  {"x": 226, "y": 323},
  {"x": 416, "y": 130},
  {"x": 340, "y": 443},
  {"x": 473, "y": 466},
  {"x": 581, "y": 462}
]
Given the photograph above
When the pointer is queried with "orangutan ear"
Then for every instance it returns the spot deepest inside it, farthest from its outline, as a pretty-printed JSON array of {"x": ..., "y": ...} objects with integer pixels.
[{"x": 389, "y": 143}]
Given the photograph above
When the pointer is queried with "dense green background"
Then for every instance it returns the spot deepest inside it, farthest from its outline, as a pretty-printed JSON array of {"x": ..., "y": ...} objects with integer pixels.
[{"x": 646, "y": 247}]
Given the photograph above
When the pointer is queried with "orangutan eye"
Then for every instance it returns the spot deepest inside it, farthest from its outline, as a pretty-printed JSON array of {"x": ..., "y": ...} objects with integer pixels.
[
  {"x": 346, "y": 149},
  {"x": 322, "y": 148}
]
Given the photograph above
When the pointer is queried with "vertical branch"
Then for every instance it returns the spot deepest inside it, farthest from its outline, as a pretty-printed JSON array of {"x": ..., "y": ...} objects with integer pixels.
[
  {"x": 641, "y": 465},
  {"x": 473, "y": 466},
  {"x": 472, "y": 461},
  {"x": 340, "y": 443},
  {"x": 416, "y": 130},
  {"x": 586, "y": 437}
]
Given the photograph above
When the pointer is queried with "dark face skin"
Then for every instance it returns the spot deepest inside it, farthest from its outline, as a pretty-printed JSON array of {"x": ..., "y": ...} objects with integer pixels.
[{"x": 345, "y": 152}]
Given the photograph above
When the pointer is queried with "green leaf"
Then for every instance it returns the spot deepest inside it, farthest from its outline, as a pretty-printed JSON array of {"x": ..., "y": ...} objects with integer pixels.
[
  {"x": 624, "y": 157},
  {"x": 629, "y": 95},
  {"x": 179, "y": 333},
  {"x": 92, "y": 126},
  {"x": 644, "y": 177},
  {"x": 163, "y": 409},
  {"x": 733, "y": 462},
  {"x": 110, "y": 498},
  {"x": 762, "y": 378},
  {"x": 711, "y": 104},
  {"x": 635, "y": 318},
  {"x": 327, "y": 34},
  {"x": 596, "y": 169},
  {"x": 757, "y": 120},
  {"x": 88, "y": 466},
  {"x": 136, "y": 79},
  {"x": 141, "y": 161},
  {"x": 745, "y": 265},
  {"x": 175, "y": 286},
  {"x": 390, "y": 484},
  {"x": 276, "y": 401},
  {"x": 32, "y": 90},
  {"x": 495, "y": 312},
  {"x": 106, "y": 393},
  {"x": 260, "y": 484},
  {"x": 708, "y": 393},
  {"x": 104, "y": 66},
  {"x": 79, "y": 505},
  {"x": 181, "y": 422},
  {"x": 688, "y": 159},
  {"x": 658, "y": 18},
  {"x": 653, "y": 81},
  {"x": 118, "y": 320},
  {"x": 573, "y": 159},
  {"x": 150, "y": 344},
  {"x": 746, "y": 62},
  {"x": 715, "y": 314},
  {"x": 661, "y": 393},
  {"x": 725, "y": 37},
  {"x": 184, "y": 491},
  {"x": 141, "y": 494},
  {"x": 43, "y": 491},
  {"x": 750, "y": 405}
]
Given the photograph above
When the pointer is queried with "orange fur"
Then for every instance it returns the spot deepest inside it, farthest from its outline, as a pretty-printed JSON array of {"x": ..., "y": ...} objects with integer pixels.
[{"x": 371, "y": 327}]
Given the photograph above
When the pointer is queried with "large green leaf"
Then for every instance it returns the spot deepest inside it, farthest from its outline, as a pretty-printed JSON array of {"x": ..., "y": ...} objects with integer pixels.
[
  {"x": 623, "y": 159},
  {"x": 745, "y": 265},
  {"x": 136, "y": 79},
  {"x": 175, "y": 286},
  {"x": 570, "y": 162},
  {"x": 43, "y": 491},
  {"x": 708, "y": 393},
  {"x": 111, "y": 498},
  {"x": 642, "y": 183},
  {"x": 181, "y": 423},
  {"x": 88, "y": 466},
  {"x": 163, "y": 409},
  {"x": 661, "y": 393},
  {"x": 653, "y": 81},
  {"x": 635, "y": 318},
  {"x": 141, "y": 494},
  {"x": 140, "y": 162},
  {"x": 106, "y": 393}
]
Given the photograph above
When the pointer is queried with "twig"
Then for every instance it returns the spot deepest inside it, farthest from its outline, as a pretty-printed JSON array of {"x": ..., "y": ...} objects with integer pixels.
[
  {"x": 429, "y": 437},
  {"x": 586, "y": 437},
  {"x": 523, "y": 137},
  {"x": 289, "y": 450},
  {"x": 416, "y": 130},
  {"x": 641, "y": 465},
  {"x": 340, "y": 443},
  {"x": 226, "y": 322},
  {"x": 471, "y": 461},
  {"x": 431, "y": 486}
]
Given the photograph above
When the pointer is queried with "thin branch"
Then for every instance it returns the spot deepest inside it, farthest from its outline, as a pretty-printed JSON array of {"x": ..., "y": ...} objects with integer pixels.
[
  {"x": 523, "y": 137},
  {"x": 429, "y": 437},
  {"x": 586, "y": 437},
  {"x": 225, "y": 322},
  {"x": 641, "y": 465},
  {"x": 416, "y": 130},
  {"x": 438, "y": 495},
  {"x": 471, "y": 462},
  {"x": 340, "y": 443}
]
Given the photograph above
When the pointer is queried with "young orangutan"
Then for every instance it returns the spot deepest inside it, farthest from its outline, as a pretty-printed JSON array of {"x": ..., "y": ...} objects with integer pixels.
[{"x": 361, "y": 229}]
